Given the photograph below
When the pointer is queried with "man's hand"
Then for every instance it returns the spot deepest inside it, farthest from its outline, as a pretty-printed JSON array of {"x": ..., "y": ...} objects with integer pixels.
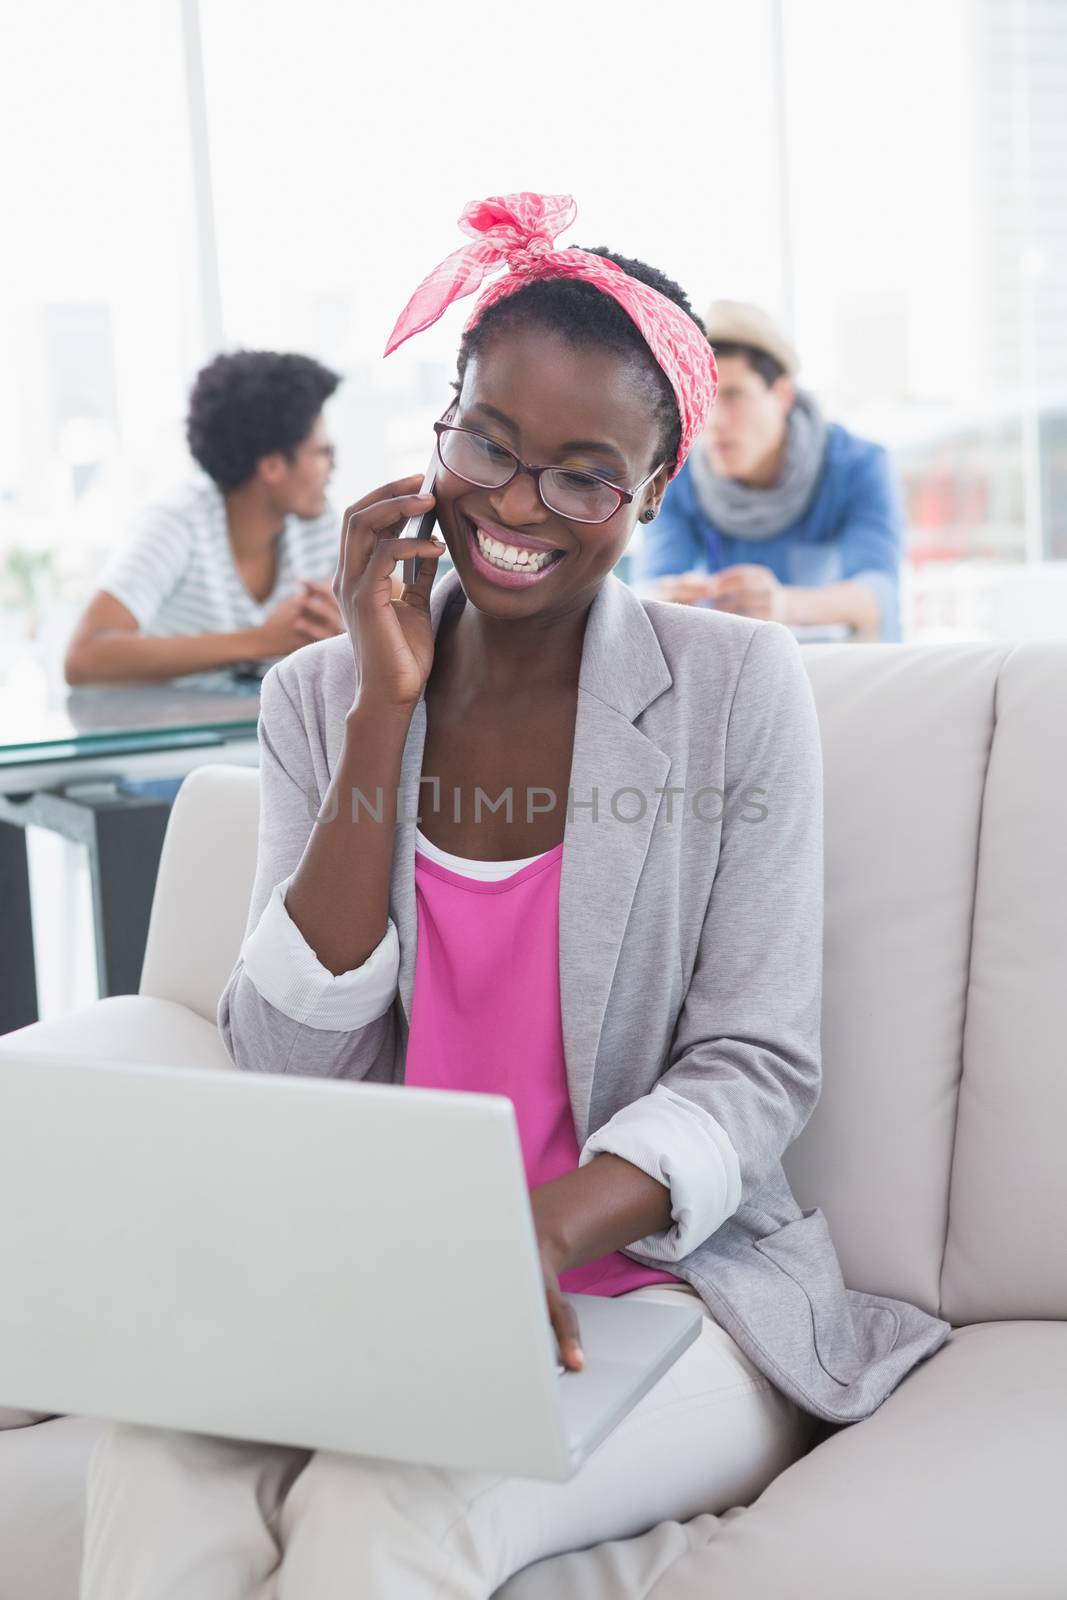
[
  {"x": 686, "y": 588},
  {"x": 298, "y": 620},
  {"x": 321, "y": 602},
  {"x": 748, "y": 591}
]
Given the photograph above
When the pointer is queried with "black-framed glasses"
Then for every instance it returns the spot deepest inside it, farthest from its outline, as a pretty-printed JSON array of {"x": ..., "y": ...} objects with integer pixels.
[{"x": 578, "y": 496}]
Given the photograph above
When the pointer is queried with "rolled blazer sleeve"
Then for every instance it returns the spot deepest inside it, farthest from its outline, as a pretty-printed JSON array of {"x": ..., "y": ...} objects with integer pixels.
[
  {"x": 282, "y": 1010},
  {"x": 744, "y": 1069}
]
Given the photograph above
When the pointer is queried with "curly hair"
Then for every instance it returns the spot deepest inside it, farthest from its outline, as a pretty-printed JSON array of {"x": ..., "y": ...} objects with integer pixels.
[
  {"x": 251, "y": 404},
  {"x": 585, "y": 317}
]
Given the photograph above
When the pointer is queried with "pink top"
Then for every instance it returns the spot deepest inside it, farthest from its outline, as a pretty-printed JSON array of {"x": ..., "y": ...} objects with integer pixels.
[{"x": 486, "y": 1018}]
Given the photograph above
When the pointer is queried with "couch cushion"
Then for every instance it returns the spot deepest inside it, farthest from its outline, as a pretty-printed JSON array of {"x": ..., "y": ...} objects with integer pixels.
[
  {"x": 1007, "y": 1239},
  {"x": 955, "y": 1486},
  {"x": 127, "y": 1027},
  {"x": 906, "y": 732}
]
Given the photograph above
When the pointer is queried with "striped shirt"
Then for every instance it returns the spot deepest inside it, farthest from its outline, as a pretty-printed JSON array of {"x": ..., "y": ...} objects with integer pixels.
[{"x": 176, "y": 573}]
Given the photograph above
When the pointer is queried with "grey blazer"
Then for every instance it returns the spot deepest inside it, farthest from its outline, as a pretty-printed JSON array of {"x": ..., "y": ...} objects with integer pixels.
[{"x": 690, "y": 932}]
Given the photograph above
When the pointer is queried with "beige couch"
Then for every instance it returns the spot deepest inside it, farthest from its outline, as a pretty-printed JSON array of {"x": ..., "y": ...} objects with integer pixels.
[{"x": 937, "y": 1151}]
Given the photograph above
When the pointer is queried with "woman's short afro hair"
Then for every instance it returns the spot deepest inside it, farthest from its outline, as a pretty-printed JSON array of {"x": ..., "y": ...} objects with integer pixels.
[
  {"x": 251, "y": 404},
  {"x": 584, "y": 316}
]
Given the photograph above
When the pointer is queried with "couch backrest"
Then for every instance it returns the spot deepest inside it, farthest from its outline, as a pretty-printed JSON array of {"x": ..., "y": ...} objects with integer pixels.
[{"x": 936, "y": 1147}]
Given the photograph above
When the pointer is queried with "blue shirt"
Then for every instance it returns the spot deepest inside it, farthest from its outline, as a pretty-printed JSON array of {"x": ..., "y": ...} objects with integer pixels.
[{"x": 853, "y": 528}]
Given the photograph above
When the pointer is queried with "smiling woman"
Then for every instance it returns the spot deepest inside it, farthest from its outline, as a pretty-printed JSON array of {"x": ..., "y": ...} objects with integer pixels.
[
  {"x": 644, "y": 983},
  {"x": 530, "y": 387}
]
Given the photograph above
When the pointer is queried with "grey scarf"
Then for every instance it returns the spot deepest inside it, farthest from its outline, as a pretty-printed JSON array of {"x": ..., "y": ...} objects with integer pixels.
[{"x": 744, "y": 512}]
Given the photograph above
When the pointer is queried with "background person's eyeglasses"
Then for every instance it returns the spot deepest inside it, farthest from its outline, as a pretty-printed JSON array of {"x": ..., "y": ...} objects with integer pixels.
[
  {"x": 578, "y": 496},
  {"x": 327, "y": 451}
]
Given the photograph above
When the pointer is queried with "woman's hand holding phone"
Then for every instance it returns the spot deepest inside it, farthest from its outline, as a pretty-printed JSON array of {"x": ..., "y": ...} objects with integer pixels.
[{"x": 393, "y": 638}]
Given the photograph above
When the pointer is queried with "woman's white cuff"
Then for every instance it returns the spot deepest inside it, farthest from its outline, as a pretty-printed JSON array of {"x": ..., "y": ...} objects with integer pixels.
[
  {"x": 288, "y": 974},
  {"x": 683, "y": 1147}
]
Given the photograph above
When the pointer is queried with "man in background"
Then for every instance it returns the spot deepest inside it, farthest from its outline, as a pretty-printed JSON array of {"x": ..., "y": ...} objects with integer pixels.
[
  {"x": 777, "y": 513},
  {"x": 234, "y": 567}
]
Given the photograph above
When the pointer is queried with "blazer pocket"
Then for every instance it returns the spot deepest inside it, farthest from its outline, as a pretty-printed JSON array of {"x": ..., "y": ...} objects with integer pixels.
[{"x": 805, "y": 1252}]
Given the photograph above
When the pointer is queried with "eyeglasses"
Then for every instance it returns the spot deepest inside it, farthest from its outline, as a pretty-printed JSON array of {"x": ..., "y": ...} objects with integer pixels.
[{"x": 578, "y": 496}]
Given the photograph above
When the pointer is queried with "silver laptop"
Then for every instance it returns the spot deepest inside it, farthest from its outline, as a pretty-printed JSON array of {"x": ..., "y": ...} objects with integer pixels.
[{"x": 331, "y": 1265}]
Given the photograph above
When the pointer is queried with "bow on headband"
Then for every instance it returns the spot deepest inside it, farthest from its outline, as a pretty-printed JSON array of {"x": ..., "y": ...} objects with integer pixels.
[{"x": 519, "y": 231}]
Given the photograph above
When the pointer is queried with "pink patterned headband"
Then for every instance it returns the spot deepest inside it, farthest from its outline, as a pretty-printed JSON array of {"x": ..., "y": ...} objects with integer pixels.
[{"x": 519, "y": 231}]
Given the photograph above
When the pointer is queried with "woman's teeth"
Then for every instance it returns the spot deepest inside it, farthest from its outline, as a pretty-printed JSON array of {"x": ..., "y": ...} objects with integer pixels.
[{"x": 509, "y": 557}]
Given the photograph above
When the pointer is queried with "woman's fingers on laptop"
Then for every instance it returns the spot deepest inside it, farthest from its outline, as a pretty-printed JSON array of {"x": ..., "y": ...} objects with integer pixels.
[
  {"x": 564, "y": 1321},
  {"x": 561, "y": 1313}
]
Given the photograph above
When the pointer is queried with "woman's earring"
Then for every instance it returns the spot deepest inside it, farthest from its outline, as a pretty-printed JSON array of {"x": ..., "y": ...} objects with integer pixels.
[{"x": 648, "y": 516}]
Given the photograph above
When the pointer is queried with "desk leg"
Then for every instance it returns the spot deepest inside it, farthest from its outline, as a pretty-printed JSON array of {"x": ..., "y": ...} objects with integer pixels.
[
  {"x": 124, "y": 861},
  {"x": 18, "y": 971}
]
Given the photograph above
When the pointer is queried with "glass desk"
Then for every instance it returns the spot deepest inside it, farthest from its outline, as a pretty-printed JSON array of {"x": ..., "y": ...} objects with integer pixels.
[
  {"x": 44, "y": 729},
  {"x": 79, "y": 762}
]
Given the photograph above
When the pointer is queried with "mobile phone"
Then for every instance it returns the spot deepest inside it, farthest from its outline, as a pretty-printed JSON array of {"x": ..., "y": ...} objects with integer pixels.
[{"x": 421, "y": 527}]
